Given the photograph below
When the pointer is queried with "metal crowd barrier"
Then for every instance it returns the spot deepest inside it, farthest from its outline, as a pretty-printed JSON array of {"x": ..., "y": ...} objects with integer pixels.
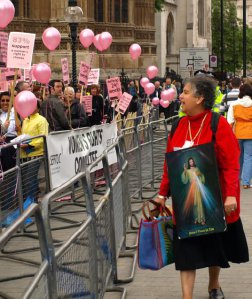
[
  {"x": 86, "y": 235},
  {"x": 134, "y": 166},
  {"x": 21, "y": 184},
  {"x": 20, "y": 270}
]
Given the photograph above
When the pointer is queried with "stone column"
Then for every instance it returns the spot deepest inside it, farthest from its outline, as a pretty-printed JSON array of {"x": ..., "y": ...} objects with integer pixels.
[
  {"x": 144, "y": 12},
  {"x": 131, "y": 11},
  {"x": 21, "y": 8},
  {"x": 45, "y": 10}
]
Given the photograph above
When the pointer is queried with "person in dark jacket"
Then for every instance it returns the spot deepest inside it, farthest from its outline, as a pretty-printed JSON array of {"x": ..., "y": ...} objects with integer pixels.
[
  {"x": 78, "y": 115},
  {"x": 53, "y": 108},
  {"x": 97, "y": 106}
]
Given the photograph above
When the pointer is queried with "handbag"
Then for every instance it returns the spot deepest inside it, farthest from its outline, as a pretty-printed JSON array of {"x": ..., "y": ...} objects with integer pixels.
[{"x": 155, "y": 237}]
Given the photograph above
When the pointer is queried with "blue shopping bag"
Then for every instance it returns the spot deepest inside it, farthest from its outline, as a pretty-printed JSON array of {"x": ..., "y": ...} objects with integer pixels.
[
  {"x": 11, "y": 217},
  {"x": 155, "y": 241}
]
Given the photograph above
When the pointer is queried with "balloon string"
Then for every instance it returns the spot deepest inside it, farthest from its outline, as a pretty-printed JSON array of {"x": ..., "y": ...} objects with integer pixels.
[{"x": 103, "y": 63}]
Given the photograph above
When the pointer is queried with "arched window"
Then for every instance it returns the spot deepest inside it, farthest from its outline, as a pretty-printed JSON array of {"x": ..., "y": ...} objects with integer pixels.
[
  {"x": 170, "y": 34},
  {"x": 201, "y": 17},
  {"x": 99, "y": 10}
]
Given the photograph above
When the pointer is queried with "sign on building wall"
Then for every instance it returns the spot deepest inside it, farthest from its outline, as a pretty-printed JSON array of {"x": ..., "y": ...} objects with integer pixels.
[{"x": 193, "y": 58}]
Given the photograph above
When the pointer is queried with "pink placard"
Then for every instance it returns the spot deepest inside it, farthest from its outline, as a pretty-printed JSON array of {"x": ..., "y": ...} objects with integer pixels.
[
  {"x": 114, "y": 87},
  {"x": 28, "y": 75},
  {"x": 94, "y": 76},
  {"x": 124, "y": 102},
  {"x": 20, "y": 50},
  {"x": 3, "y": 48},
  {"x": 84, "y": 72},
  {"x": 4, "y": 86},
  {"x": 65, "y": 70},
  {"x": 87, "y": 102},
  {"x": 8, "y": 74},
  {"x": 33, "y": 78}
]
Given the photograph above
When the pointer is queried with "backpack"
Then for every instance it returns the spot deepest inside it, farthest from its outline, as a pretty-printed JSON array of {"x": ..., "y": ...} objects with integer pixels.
[{"x": 214, "y": 124}]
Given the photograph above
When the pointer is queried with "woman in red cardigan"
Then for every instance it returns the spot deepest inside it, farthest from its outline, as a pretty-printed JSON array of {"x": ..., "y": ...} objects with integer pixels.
[{"x": 215, "y": 250}]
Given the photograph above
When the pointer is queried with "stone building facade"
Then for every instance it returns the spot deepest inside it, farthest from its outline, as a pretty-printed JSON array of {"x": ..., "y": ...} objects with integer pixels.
[
  {"x": 129, "y": 21},
  {"x": 181, "y": 24},
  {"x": 248, "y": 11}
]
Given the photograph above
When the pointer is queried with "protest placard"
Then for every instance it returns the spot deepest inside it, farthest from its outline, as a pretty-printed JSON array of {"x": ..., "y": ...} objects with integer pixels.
[
  {"x": 65, "y": 71},
  {"x": 8, "y": 74},
  {"x": 86, "y": 101},
  {"x": 28, "y": 75},
  {"x": 4, "y": 86},
  {"x": 20, "y": 50},
  {"x": 124, "y": 102},
  {"x": 3, "y": 48},
  {"x": 84, "y": 72},
  {"x": 114, "y": 87},
  {"x": 94, "y": 76}
]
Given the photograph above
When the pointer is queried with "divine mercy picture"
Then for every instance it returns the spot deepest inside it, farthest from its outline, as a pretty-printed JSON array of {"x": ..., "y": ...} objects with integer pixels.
[{"x": 195, "y": 190}]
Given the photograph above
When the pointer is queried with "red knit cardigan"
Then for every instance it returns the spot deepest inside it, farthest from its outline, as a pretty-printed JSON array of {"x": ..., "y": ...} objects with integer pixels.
[{"x": 226, "y": 149}]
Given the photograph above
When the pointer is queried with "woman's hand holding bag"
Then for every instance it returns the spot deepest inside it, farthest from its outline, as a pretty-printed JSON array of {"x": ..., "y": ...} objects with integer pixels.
[{"x": 155, "y": 246}]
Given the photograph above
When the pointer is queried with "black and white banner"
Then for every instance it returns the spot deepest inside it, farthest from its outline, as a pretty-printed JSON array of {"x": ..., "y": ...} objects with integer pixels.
[{"x": 71, "y": 151}]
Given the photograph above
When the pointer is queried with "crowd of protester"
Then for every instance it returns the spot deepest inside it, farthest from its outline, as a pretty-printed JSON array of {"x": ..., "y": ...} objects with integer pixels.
[{"x": 59, "y": 108}]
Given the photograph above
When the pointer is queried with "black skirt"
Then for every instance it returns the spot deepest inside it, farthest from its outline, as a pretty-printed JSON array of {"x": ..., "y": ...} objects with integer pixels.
[{"x": 211, "y": 250}]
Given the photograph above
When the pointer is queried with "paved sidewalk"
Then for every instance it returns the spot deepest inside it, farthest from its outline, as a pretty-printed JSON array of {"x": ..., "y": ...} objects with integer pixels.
[{"x": 236, "y": 281}]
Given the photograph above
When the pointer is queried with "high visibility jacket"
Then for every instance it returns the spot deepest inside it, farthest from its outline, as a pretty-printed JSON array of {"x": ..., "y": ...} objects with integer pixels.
[
  {"x": 218, "y": 99},
  {"x": 217, "y": 103}
]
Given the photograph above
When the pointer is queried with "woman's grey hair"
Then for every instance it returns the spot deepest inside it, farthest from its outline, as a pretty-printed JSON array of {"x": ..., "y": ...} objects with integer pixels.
[
  {"x": 69, "y": 89},
  {"x": 204, "y": 87}
]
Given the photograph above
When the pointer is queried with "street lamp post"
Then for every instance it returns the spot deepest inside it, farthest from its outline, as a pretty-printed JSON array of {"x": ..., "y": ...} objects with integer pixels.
[
  {"x": 244, "y": 39},
  {"x": 234, "y": 47},
  {"x": 222, "y": 35},
  {"x": 73, "y": 16}
]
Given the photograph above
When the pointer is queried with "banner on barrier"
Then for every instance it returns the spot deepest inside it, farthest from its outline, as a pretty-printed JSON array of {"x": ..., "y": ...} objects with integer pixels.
[{"x": 70, "y": 152}]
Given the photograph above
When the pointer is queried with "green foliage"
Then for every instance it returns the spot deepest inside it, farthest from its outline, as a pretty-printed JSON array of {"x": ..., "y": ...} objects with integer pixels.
[
  {"x": 232, "y": 36},
  {"x": 159, "y": 4}
]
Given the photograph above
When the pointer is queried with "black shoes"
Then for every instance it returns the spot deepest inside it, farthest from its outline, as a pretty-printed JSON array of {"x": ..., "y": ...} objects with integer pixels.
[{"x": 216, "y": 294}]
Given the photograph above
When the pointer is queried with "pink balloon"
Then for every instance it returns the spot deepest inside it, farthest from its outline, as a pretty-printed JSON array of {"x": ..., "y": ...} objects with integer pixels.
[
  {"x": 144, "y": 81},
  {"x": 7, "y": 12},
  {"x": 164, "y": 103},
  {"x": 152, "y": 71},
  {"x": 25, "y": 103},
  {"x": 168, "y": 94},
  {"x": 105, "y": 40},
  {"x": 155, "y": 101},
  {"x": 51, "y": 38},
  {"x": 97, "y": 43},
  {"x": 42, "y": 73},
  {"x": 86, "y": 37},
  {"x": 135, "y": 51},
  {"x": 149, "y": 88}
]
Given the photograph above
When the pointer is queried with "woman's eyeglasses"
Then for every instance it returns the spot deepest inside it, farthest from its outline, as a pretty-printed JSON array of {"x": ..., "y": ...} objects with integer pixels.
[{"x": 5, "y": 101}]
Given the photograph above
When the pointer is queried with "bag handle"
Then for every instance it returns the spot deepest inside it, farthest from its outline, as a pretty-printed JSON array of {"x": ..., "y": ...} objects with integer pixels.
[{"x": 163, "y": 211}]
